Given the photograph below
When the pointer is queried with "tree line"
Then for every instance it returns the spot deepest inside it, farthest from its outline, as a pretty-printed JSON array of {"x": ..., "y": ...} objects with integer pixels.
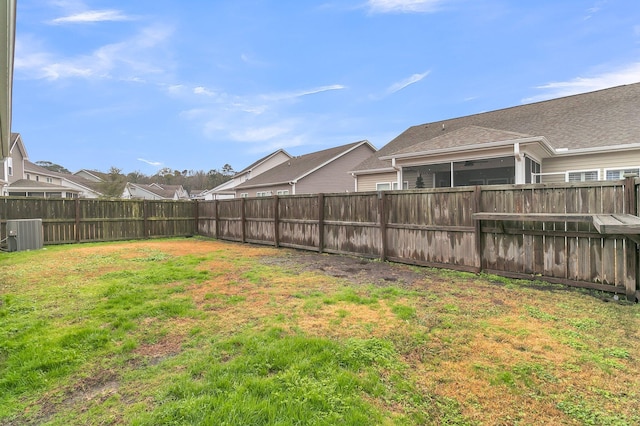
[{"x": 115, "y": 180}]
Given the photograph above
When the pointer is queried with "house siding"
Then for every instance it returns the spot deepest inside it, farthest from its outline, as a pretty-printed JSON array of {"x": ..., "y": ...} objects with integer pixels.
[
  {"x": 368, "y": 182},
  {"x": 279, "y": 158},
  {"x": 334, "y": 177},
  {"x": 253, "y": 192},
  {"x": 225, "y": 190},
  {"x": 599, "y": 161}
]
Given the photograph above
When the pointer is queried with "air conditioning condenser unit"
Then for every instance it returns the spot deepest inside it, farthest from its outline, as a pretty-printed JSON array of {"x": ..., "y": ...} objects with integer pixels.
[{"x": 24, "y": 234}]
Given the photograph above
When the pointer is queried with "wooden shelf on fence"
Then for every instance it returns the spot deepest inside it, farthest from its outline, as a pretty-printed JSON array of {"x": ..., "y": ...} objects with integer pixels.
[
  {"x": 607, "y": 224},
  {"x": 617, "y": 223}
]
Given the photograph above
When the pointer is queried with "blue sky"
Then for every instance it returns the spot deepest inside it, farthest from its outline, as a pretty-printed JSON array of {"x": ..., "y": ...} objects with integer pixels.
[{"x": 195, "y": 84}]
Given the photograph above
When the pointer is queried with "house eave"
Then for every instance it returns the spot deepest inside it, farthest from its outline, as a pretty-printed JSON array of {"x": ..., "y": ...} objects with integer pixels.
[
  {"x": 454, "y": 150},
  {"x": 373, "y": 171}
]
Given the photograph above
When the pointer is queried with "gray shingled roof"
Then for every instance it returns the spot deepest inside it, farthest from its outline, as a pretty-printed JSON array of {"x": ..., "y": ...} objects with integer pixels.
[
  {"x": 35, "y": 185},
  {"x": 589, "y": 120},
  {"x": 466, "y": 136},
  {"x": 297, "y": 167}
]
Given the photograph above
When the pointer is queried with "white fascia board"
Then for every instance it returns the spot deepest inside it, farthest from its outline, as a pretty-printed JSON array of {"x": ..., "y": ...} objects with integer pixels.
[{"x": 373, "y": 171}]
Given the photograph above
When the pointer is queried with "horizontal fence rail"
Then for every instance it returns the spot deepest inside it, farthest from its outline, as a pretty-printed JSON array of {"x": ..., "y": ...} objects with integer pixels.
[{"x": 432, "y": 227}]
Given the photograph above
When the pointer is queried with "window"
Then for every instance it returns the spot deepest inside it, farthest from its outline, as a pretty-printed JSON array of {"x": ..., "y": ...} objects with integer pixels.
[
  {"x": 282, "y": 192},
  {"x": 264, "y": 194},
  {"x": 10, "y": 166},
  {"x": 405, "y": 185},
  {"x": 617, "y": 174},
  {"x": 532, "y": 170},
  {"x": 49, "y": 180},
  {"x": 244, "y": 195},
  {"x": 582, "y": 175},
  {"x": 383, "y": 186}
]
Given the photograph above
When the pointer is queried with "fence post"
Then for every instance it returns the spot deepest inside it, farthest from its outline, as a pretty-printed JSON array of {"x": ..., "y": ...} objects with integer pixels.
[
  {"x": 216, "y": 225},
  {"x": 477, "y": 205},
  {"x": 320, "y": 223},
  {"x": 77, "y": 220},
  {"x": 631, "y": 252},
  {"x": 243, "y": 219},
  {"x": 382, "y": 214},
  {"x": 276, "y": 220},
  {"x": 196, "y": 227},
  {"x": 145, "y": 219}
]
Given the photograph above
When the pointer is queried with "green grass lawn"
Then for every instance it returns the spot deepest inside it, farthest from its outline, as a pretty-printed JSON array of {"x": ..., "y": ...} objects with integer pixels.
[{"x": 194, "y": 331}]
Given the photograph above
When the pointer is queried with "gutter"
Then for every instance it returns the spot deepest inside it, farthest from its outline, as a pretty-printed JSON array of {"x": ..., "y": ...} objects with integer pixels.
[
  {"x": 576, "y": 151},
  {"x": 372, "y": 171}
]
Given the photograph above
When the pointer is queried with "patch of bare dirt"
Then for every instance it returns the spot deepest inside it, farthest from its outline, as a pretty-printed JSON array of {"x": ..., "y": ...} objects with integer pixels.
[{"x": 356, "y": 270}]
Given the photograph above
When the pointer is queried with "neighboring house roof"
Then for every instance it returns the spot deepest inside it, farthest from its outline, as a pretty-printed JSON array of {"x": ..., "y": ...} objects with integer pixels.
[
  {"x": 93, "y": 175},
  {"x": 168, "y": 192},
  {"x": 298, "y": 167},
  {"x": 81, "y": 183},
  {"x": 32, "y": 185},
  {"x": 17, "y": 143},
  {"x": 228, "y": 186},
  {"x": 590, "y": 122}
]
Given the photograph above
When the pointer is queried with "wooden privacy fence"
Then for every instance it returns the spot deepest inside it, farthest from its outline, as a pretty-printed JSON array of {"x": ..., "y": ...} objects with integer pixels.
[
  {"x": 85, "y": 220},
  {"x": 547, "y": 232},
  {"x": 579, "y": 234}
]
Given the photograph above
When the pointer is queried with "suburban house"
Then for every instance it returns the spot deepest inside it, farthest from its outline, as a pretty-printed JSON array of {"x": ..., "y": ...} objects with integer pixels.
[
  {"x": 154, "y": 191},
  {"x": 197, "y": 194},
  {"x": 227, "y": 189},
  {"x": 590, "y": 136},
  {"x": 27, "y": 179},
  {"x": 321, "y": 171}
]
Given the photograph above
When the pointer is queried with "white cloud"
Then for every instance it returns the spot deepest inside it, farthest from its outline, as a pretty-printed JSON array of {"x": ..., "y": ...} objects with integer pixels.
[
  {"x": 152, "y": 163},
  {"x": 403, "y": 6},
  {"x": 260, "y": 134},
  {"x": 126, "y": 60},
  {"x": 203, "y": 91},
  {"x": 92, "y": 16},
  {"x": 625, "y": 75},
  {"x": 300, "y": 93},
  {"x": 396, "y": 87}
]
